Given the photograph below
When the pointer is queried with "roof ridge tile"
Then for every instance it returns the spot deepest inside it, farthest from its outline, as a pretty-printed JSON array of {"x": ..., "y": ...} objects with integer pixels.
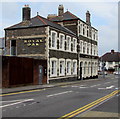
[{"x": 39, "y": 17}]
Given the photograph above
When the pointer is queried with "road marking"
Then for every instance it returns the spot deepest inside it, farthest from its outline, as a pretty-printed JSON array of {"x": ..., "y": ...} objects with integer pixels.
[
  {"x": 101, "y": 88},
  {"x": 110, "y": 87},
  {"x": 59, "y": 93},
  {"x": 64, "y": 86},
  {"x": 96, "y": 105},
  {"x": 90, "y": 105},
  {"x": 12, "y": 100},
  {"x": 16, "y": 103},
  {"x": 93, "y": 86},
  {"x": 83, "y": 87},
  {"x": 22, "y": 92},
  {"x": 74, "y": 86}
]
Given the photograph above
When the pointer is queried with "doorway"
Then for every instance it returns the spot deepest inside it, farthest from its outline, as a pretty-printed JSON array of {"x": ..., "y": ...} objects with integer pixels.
[{"x": 40, "y": 74}]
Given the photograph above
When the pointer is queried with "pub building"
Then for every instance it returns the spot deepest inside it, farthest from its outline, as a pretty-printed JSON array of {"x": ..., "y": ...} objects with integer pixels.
[{"x": 57, "y": 41}]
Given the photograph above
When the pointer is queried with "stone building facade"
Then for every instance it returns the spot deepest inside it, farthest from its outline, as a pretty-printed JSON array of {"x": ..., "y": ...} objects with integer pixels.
[
  {"x": 40, "y": 38},
  {"x": 68, "y": 44},
  {"x": 87, "y": 41}
]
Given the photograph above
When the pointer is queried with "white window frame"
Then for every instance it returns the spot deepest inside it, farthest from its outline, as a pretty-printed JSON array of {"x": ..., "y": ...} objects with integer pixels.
[
  {"x": 88, "y": 48},
  {"x": 68, "y": 46},
  {"x": 81, "y": 25},
  {"x": 74, "y": 44},
  {"x": 74, "y": 70},
  {"x": 63, "y": 41},
  {"x": 68, "y": 69},
  {"x": 55, "y": 74},
  {"x": 92, "y": 49},
  {"x": 63, "y": 67},
  {"x": 81, "y": 46},
  {"x": 55, "y": 47}
]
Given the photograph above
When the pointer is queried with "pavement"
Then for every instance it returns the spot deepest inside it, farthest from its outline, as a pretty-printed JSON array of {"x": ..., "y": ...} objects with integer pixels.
[{"x": 34, "y": 87}]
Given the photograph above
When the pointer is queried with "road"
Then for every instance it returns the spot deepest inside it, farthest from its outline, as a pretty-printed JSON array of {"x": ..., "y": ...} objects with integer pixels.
[{"x": 88, "y": 98}]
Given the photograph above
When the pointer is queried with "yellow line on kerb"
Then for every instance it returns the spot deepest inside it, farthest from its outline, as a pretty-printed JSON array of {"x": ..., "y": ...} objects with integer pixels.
[
  {"x": 22, "y": 92},
  {"x": 82, "y": 109}
]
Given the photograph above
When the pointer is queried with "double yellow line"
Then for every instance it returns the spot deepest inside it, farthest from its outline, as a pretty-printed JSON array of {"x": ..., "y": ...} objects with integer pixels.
[{"x": 88, "y": 106}]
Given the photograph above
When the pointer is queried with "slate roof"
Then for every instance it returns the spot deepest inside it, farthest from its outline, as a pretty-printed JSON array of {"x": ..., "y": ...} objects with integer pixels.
[
  {"x": 65, "y": 16},
  {"x": 111, "y": 57},
  {"x": 39, "y": 21}
]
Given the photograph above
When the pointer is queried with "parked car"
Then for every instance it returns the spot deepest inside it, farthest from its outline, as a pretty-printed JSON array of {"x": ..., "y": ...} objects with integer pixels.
[{"x": 116, "y": 73}]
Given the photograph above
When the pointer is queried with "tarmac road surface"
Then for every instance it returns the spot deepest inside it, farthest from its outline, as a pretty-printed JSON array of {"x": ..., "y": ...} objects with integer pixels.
[{"x": 88, "y": 98}]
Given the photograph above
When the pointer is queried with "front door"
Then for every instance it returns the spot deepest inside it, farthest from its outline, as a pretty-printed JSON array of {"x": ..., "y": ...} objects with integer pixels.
[{"x": 40, "y": 74}]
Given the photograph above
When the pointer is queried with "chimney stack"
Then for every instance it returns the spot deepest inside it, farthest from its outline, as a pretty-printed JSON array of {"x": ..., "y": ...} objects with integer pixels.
[
  {"x": 112, "y": 51},
  {"x": 88, "y": 18},
  {"x": 60, "y": 10},
  {"x": 26, "y": 13}
]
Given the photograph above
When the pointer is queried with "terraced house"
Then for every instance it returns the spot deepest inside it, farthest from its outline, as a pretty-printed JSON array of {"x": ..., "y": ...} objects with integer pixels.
[{"x": 65, "y": 42}]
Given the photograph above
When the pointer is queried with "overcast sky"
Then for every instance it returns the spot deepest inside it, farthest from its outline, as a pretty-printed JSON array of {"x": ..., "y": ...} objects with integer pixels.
[{"x": 104, "y": 17}]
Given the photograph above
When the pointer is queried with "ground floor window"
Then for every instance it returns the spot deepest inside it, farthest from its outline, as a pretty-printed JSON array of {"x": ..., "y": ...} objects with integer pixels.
[
  {"x": 68, "y": 67},
  {"x": 53, "y": 67},
  {"x": 62, "y": 67},
  {"x": 74, "y": 67}
]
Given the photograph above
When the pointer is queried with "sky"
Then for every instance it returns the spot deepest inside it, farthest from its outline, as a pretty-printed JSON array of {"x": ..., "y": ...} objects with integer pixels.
[{"x": 104, "y": 16}]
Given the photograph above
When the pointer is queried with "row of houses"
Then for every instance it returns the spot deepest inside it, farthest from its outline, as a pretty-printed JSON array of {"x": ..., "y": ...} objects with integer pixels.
[
  {"x": 67, "y": 44},
  {"x": 110, "y": 61}
]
